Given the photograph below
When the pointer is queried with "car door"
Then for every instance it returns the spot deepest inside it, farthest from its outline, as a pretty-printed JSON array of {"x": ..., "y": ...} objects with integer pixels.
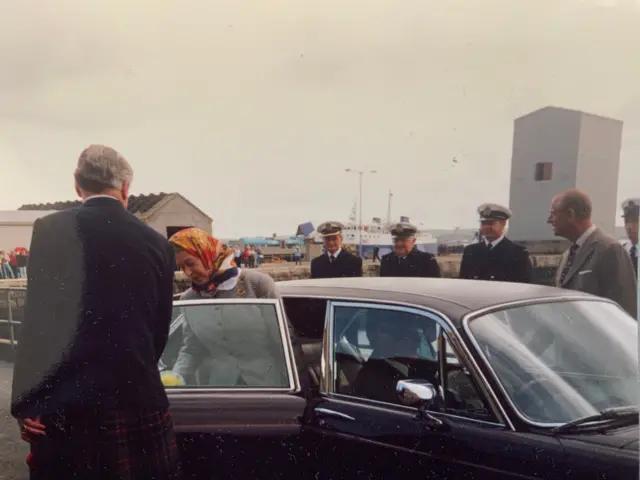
[
  {"x": 369, "y": 347},
  {"x": 361, "y": 437},
  {"x": 476, "y": 440},
  {"x": 235, "y": 397}
]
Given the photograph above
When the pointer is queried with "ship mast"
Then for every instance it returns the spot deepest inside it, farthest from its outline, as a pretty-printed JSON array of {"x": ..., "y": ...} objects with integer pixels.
[{"x": 352, "y": 216}]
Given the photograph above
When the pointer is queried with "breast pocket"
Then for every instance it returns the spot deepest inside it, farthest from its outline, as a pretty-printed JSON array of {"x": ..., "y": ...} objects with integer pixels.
[{"x": 586, "y": 281}]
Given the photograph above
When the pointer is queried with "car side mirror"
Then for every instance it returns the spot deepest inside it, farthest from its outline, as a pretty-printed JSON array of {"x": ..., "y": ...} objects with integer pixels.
[
  {"x": 420, "y": 394},
  {"x": 416, "y": 393}
]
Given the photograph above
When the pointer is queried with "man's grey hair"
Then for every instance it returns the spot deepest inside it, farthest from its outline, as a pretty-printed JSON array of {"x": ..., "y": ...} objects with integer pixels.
[
  {"x": 102, "y": 168},
  {"x": 578, "y": 201}
]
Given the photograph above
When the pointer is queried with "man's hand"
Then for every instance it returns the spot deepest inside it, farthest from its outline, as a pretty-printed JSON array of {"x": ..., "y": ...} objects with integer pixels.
[{"x": 30, "y": 426}]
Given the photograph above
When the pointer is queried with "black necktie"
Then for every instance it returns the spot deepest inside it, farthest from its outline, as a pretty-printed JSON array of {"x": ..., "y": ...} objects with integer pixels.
[
  {"x": 331, "y": 258},
  {"x": 489, "y": 246},
  {"x": 567, "y": 264},
  {"x": 634, "y": 257}
]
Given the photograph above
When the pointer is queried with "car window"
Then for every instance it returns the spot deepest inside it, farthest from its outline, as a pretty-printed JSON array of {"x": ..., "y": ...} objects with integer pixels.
[
  {"x": 224, "y": 345},
  {"x": 375, "y": 347},
  {"x": 563, "y": 360}
]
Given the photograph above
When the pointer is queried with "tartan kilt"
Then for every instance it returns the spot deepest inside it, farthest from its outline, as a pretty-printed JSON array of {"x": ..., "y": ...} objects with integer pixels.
[{"x": 112, "y": 445}]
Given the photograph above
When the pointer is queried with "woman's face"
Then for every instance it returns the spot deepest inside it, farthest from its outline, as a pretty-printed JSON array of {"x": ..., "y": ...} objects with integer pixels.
[{"x": 192, "y": 268}]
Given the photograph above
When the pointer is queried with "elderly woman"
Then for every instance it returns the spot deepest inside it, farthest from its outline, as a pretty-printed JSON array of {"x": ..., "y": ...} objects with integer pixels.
[{"x": 237, "y": 345}]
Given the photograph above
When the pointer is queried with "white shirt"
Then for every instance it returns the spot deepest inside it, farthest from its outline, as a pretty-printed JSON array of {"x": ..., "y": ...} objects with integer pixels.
[
  {"x": 494, "y": 243},
  {"x": 583, "y": 238},
  {"x": 334, "y": 255},
  {"x": 100, "y": 196}
]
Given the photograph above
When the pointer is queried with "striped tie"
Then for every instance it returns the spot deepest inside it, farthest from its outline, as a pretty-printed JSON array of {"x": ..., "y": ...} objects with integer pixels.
[{"x": 567, "y": 265}]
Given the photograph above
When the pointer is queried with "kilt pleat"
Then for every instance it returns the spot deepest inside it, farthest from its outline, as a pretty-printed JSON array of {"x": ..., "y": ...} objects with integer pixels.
[{"x": 112, "y": 445}]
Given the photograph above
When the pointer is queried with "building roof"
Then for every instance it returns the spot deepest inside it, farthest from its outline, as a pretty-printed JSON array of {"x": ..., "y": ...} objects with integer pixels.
[
  {"x": 305, "y": 229},
  {"x": 138, "y": 204},
  {"x": 551, "y": 108}
]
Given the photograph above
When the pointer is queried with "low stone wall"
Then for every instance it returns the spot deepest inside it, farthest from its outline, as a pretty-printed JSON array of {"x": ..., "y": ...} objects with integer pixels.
[{"x": 544, "y": 270}]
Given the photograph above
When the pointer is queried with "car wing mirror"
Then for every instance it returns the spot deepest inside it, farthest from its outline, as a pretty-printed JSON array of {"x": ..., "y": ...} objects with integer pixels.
[{"x": 420, "y": 394}]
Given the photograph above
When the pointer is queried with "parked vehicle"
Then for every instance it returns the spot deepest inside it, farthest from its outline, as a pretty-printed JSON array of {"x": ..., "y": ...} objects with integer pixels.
[{"x": 381, "y": 378}]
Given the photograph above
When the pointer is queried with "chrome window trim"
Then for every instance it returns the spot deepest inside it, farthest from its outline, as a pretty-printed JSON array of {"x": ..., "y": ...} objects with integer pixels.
[
  {"x": 285, "y": 338},
  {"x": 226, "y": 301},
  {"x": 400, "y": 408},
  {"x": 466, "y": 319},
  {"x": 445, "y": 323}
]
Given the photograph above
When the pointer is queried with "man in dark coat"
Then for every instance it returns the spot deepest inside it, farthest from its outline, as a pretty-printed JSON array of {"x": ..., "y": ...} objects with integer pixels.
[
  {"x": 87, "y": 391},
  {"x": 335, "y": 261},
  {"x": 495, "y": 257},
  {"x": 406, "y": 260},
  {"x": 630, "y": 214}
]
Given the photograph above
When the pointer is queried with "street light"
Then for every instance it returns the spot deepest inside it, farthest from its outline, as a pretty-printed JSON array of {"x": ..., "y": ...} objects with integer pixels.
[{"x": 360, "y": 175}]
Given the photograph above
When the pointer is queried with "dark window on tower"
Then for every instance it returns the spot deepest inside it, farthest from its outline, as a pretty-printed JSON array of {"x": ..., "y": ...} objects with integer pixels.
[{"x": 544, "y": 171}]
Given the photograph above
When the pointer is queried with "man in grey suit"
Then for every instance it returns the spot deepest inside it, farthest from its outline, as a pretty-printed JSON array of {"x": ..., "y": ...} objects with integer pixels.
[{"x": 596, "y": 263}]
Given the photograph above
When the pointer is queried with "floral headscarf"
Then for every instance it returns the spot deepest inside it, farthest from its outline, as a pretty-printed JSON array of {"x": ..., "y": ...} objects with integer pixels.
[{"x": 207, "y": 249}]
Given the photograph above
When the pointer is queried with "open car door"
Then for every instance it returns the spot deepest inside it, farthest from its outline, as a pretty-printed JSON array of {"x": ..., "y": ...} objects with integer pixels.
[{"x": 234, "y": 390}]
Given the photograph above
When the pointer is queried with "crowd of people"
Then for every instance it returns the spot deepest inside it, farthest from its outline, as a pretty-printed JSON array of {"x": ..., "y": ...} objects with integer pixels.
[
  {"x": 249, "y": 256},
  {"x": 87, "y": 392},
  {"x": 13, "y": 263}
]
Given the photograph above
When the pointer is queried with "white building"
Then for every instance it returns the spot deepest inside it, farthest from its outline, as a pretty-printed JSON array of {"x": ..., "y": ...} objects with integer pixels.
[
  {"x": 555, "y": 149},
  {"x": 16, "y": 227},
  {"x": 165, "y": 212}
]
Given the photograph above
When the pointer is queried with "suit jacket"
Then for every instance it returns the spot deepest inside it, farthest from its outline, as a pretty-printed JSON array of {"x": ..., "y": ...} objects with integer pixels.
[
  {"x": 416, "y": 264},
  {"x": 602, "y": 267},
  {"x": 345, "y": 265},
  {"x": 97, "y": 313},
  {"x": 506, "y": 262},
  {"x": 634, "y": 260}
]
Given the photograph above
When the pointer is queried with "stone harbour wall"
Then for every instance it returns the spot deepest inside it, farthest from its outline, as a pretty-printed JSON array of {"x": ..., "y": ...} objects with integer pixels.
[{"x": 544, "y": 271}]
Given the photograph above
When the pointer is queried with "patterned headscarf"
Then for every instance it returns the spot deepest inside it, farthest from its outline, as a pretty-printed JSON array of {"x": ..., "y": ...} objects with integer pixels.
[{"x": 208, "y": 250}]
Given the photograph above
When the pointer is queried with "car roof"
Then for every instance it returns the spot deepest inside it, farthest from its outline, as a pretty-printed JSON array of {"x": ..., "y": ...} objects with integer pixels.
[{"x": 453, "y": 297}]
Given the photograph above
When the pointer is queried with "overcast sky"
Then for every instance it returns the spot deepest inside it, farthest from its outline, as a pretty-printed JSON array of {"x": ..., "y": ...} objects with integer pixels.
[{"x": 253, "y": 109}]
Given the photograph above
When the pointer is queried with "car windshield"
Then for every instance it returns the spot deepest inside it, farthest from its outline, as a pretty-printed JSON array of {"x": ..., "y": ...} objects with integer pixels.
[{"x": 560, "y": 361}]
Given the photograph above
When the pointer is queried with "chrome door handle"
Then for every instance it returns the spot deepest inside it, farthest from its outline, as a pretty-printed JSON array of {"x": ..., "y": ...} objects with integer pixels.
[{"x": 325, "y": 412}]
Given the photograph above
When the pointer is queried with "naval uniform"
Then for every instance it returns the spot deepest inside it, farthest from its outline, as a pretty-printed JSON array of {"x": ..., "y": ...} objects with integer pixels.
[
  {"x": 633, "y": 251},
  {"x": 505, "y": 262},
  {"x": 415, "y": 264},
  {"x": 631, "y": 214},
  {"x": 343, "y": 265}
]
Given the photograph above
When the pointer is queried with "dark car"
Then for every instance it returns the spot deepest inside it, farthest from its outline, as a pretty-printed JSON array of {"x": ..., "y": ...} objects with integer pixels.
[{"x": 374, "y": 378}]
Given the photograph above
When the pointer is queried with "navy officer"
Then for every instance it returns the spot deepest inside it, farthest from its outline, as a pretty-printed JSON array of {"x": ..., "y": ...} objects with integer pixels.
[
  {"x": 335, "y": 261},
  {"x": 495, "y": 257},
  {"x": 630, "y": 214},
  {"x": 406, "y": 260}
]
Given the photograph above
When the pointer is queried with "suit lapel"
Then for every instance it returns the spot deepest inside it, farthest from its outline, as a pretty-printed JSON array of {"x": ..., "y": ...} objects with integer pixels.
[{"x": 585, "y": 252}]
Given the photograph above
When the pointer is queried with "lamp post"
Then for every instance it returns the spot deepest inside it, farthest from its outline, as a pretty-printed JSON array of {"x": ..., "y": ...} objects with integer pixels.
[{"x": 360, "y": 175}]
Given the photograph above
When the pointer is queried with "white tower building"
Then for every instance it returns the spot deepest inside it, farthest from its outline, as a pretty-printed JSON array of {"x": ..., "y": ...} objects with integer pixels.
[{"x": 555, "y": 149}]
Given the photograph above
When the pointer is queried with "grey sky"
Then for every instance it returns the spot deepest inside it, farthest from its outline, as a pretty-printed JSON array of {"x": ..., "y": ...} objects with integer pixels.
[{"x": 253, "y": 109}]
